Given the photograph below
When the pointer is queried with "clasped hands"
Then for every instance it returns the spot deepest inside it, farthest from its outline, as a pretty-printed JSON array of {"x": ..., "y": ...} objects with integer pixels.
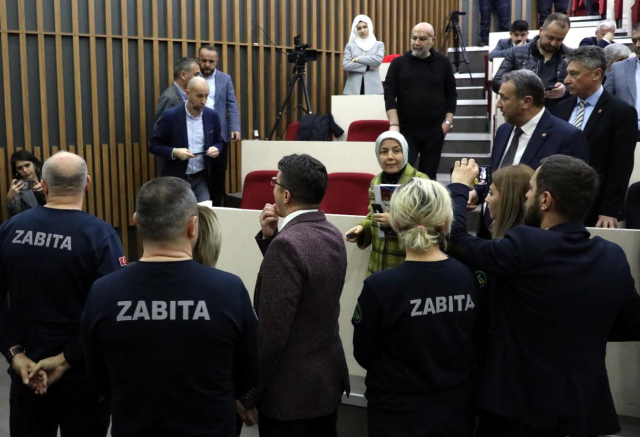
[{"x": 39, "y": 376}]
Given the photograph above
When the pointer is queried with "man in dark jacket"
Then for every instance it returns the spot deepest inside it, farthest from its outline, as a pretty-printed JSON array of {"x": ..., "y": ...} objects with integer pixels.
[
  {"x": 544, "y": 56},
  {"x": 420, "y": 98},
  {"x": 303, "y": 370},
  {"x": 517, "y": 37}
]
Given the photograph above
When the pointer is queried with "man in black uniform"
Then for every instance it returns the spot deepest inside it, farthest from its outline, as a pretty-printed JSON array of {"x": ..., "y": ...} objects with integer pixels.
[
  {"x": 49, "y": 257},
  {"x": 169, "y": 340},
  {"x": 560, "y": 296}
]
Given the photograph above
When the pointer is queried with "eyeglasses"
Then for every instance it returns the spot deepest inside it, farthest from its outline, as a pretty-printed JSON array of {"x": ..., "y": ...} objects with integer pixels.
[{"x": 275, "y": 182}]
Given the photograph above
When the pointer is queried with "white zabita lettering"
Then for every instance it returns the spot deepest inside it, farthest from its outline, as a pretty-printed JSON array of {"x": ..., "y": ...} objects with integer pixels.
[
  {"x": 162, "y": 310},
  {"x": 442, "y": 305},
  {"x": 42, "y": 239}
]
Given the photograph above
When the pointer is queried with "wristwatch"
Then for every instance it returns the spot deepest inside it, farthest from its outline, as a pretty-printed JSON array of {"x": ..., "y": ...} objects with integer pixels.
[
  {"x": 449, "y": 123},
  {"x": 13, "y": 352}
]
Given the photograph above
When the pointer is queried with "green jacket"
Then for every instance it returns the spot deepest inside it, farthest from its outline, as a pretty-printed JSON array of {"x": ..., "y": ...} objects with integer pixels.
[{"x": 386, "y": 253}]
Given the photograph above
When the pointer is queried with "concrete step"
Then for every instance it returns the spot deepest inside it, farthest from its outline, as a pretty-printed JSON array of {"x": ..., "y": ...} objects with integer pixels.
[
  {"x": 471, "y": 124},
  {"x": 475, "y": 56},
  {"x": 447, "y": 160},
  {"x": 595, "y": 18},
  {"x": 463, "y": 80},
  {"x": 470, "y": 92},
  {"x": 467, "y": 143},
  {"x": 471, "y": 108}
]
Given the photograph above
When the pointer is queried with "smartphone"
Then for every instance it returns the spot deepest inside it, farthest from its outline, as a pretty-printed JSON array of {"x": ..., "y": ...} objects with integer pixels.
[
  {"x": 377, "y": 208},
  {"x": 484, "y": 175},
  {"x": 26, "y": 184}
]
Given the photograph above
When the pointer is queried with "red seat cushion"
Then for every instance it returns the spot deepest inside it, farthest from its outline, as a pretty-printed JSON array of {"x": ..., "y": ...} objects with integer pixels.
[
  {"x": 292, "y": 131},
  {"x": 257, "y": 189},
  {"x": 367, "y": 130},
  {"x": 347, "y": 193},
  {"x": 387, "y": 59}
]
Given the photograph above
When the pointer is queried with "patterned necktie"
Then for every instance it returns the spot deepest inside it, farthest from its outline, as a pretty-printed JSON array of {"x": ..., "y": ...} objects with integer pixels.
[
  {"x": 513, "y": 148},
  {"x": 580, "y": 117}
]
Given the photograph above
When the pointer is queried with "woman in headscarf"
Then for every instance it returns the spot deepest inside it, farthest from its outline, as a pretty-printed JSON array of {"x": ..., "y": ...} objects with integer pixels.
[
  {"x": 362, "y": 58},
  {"x": 392, "y": 152}
]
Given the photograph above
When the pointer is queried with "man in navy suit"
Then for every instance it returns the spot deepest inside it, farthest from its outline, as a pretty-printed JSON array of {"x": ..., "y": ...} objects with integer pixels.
[
  {"x": 188, "y": 138},
  {"x": 222, "y": 98},
  {"x": 605, "y": 31},
  {"x": 531, "y": 132},
  {"x": 610, "y": 127},
  {"x": 560, "y": 295},
  {"x": 517, "y": 37}
]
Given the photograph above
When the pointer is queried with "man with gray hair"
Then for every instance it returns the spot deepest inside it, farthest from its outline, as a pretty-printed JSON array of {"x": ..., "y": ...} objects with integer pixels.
[
  {"x": 188, "y": 138},
  {"x": 605, "y": 31},
  {"x": 530, "y": 133},
  {"x": 183, "y": 71},
  {"x": 615, "y": 53},
  {"x": 421, "y": 75},
  {"x": 610, "y": 127},
  {"x": 168, "y": 338},
  {"x": 49, "y": 257}
]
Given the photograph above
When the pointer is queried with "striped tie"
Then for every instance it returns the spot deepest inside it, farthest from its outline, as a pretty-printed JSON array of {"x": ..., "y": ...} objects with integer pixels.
[{"x": 580, "y": 117}]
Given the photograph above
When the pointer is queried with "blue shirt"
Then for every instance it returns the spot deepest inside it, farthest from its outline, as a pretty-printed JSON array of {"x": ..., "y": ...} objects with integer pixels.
[
  {"x": 181, "y": 91},
  {"x": 591, "y": 102}
]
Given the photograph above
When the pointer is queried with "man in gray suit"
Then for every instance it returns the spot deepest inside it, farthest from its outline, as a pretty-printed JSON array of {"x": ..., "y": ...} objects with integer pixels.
[
  {"x": 174, "y": 95},
  {"x": 623, "y": 80},
  {"x": 222, "y": 99}
]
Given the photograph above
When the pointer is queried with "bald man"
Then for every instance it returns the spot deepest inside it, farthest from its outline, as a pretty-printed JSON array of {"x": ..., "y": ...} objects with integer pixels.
[
  {"x": 49, "y": 258},
  {"x": 420, "y": 98},
  {"x": 188, "y": 138}
]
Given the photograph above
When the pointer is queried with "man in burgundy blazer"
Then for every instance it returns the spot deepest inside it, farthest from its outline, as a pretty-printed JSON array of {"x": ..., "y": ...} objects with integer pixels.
[{"x": 303, "y": 370}]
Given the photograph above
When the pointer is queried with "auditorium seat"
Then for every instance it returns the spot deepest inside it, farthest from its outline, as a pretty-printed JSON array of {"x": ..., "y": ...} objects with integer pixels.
[
  {"x": 388, "y": 58},
  {"x": 292, "y": 131},
  {"x": 257, "y": 189},
  {"x": 347, "y": 193},
  {"x": 367, "y": 130}
]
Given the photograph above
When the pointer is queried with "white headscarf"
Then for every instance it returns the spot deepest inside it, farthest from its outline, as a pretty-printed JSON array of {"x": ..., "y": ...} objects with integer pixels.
[
  {"x": 397, "y": 136},
  {"x": 367, "y": 43}
]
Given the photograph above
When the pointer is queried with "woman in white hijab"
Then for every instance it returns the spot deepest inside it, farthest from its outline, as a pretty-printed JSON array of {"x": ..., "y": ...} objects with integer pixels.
[{"x": 362, "y": 58}]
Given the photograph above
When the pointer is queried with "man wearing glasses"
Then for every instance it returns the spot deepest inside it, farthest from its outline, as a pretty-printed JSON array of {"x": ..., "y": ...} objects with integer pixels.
[
  {"x": 420, "y": 98},
  {"x": 303, "y": 370}
]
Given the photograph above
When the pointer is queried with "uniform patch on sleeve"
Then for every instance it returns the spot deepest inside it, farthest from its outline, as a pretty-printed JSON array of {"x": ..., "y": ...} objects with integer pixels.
[
  {"x": 481, "y": 277},
  {"x": 123, "y": 261},
  {"x": 357, "y": 314}
]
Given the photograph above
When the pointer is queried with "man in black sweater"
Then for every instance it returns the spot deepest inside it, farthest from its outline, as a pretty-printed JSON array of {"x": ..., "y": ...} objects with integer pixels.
[
  {"x": 168, "y": 340},
  {"x": 420, "y": 98}
]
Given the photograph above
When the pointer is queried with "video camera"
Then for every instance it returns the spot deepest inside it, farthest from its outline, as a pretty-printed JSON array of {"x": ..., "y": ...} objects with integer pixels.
[
  {"x": 455, "y": 15},
  {"x": 301, "y": 53}
]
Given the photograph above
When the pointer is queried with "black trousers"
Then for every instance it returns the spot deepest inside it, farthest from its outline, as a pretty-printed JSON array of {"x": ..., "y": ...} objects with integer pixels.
[
  {"x": 217, "y": 174},
  {"x": 324, "y": 426},
  {"x": 492, "y": 425},
  {"x": 428, "y": 143},
  {"x": 450, "y": 422},
  {"x": 40, "y": 416},
  {"x": 544, "y": 8}
]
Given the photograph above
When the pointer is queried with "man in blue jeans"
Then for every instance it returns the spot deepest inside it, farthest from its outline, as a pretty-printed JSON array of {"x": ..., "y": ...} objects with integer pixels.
[
  {"x": 503, "y": 9},
  {"x": 544, "y": 8}
]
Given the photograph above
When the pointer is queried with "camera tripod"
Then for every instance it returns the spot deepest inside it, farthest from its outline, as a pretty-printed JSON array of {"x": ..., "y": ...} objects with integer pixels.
[
  {"x": 299, "y": 78},
  {"x": 453, "y": 28}
]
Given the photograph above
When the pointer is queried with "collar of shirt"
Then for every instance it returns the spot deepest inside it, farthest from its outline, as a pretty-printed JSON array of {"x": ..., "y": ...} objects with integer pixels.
[
  {"x": 593, "y": 98},
  {"x": 189, "y": 116},
  {"x": 295, "y": 214},
  {"x": 531, "y": 125},
  {"x": 182, "y": 93}
]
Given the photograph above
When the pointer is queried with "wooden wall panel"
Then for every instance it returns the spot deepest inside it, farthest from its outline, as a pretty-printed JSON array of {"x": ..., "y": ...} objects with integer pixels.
[{"x": 136, "y": 61}]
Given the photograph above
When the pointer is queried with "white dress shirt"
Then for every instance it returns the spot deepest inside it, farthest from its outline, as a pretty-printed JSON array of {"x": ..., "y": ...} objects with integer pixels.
[
  {"x": 527, "y": 133},
  {"x": 638, "y": 90},
  {"x": 295, "y": 214},
  {"x": 211, "y": 80},
  {"x": 195, "y": 136}
]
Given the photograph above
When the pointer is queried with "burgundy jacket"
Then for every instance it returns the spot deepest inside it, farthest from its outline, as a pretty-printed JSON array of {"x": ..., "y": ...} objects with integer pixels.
[{"x": 303, "y": 370}]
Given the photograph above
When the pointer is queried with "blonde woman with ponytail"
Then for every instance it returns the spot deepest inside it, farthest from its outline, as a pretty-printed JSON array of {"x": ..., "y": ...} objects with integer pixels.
[{"x": 414, "y": 324}]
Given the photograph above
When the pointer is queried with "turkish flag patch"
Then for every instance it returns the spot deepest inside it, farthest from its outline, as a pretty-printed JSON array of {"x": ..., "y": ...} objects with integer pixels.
[{"x": 123, "y": 261}]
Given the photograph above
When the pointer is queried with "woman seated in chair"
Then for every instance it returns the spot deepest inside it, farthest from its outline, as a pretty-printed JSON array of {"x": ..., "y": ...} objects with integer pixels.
[
  {"x": 25, "y": 191},
  {"x": 414, "y": 326},
  {"x": 362, "y": 58},
  {"x": 392, "y": 152}
]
